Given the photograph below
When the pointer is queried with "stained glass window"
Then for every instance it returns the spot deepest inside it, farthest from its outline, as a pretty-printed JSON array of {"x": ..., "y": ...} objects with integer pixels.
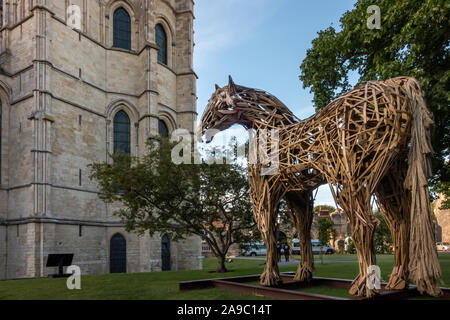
[
  {"x": 1, "y": 13},
  {"x": 163, "y": 130},
  {"x": 0, "y": 141},
  {"x": 161, "y": 41},
  {"x": 122, "y": 29},
  {"x": 122, "y": 133}
]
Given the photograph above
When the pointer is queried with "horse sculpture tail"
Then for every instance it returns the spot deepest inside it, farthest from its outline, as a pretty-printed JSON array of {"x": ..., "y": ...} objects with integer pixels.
[{"x": 424, "y": 264}]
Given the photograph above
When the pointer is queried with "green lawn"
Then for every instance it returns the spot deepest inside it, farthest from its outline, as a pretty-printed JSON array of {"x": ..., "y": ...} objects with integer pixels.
[{"x": 164, "y": 285}]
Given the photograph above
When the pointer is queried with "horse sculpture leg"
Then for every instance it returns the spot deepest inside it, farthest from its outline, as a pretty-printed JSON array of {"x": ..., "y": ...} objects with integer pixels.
[
  {"x": 394, "y": 204},
  {"x": 265, "y": 201},
  {"x": 268, "y": 228},
  {"x": 301, "y": 211},
  {"x": 356, "y": 205}
]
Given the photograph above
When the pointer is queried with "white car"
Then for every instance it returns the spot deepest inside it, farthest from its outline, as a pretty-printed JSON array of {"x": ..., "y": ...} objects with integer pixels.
[
  {"x": 316, "y": 247},
  {"x": 254, "y": 249},
  {"x": 443, "y": 246}
]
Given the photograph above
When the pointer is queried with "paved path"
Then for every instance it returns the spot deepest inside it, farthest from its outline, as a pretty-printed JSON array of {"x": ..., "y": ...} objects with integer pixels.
[
  {"x": 263, "y": 259},
  {"x": 293, "y": 261},
  {"x": 316, "y": 260}
]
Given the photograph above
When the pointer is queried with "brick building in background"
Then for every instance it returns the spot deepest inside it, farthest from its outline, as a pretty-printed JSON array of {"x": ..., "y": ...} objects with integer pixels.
[
  {"x": 341, "y": 226},
  {"x": 442, "y": 221}
]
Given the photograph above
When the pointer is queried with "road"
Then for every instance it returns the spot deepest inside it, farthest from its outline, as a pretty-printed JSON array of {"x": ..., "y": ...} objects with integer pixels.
[{"x": 293, "y": 261}]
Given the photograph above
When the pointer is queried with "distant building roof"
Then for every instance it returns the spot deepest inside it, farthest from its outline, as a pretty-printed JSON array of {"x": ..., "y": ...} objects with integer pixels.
[{"x": 324, "y": 213}]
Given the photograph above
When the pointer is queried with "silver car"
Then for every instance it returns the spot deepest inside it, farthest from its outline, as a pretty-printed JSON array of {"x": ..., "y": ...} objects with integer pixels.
[
  {"x": 316, "y": 247},
  {"x": 254, "y": 249}
]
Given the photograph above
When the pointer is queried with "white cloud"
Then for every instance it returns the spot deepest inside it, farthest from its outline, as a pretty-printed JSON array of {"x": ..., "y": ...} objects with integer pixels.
[
  {"x": 221, "y": 25},
  {"x": 324, "y": 197}
]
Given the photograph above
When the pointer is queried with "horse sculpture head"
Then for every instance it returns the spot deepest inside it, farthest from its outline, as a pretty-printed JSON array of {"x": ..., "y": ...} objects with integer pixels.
[
  {"x": 222, "y": 110},
  {"x": 249, "y": 107}
]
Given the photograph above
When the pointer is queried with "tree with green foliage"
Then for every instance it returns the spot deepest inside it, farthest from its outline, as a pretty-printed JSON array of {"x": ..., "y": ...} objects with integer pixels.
[
  {"x": 284, "y": 218},
  {"x": 318, "y": 208},
  {"x": 383, "y": 238},
  {"x": 181, "y": 200},
  {"x": 351, "y": 249},
  {"x": 326, "y": 231},
  {"x": 413, "y": 41}
]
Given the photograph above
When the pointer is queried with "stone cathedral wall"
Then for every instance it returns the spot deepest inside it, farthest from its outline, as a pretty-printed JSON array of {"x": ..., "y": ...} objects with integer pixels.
[{"x": 61, "y": 88}]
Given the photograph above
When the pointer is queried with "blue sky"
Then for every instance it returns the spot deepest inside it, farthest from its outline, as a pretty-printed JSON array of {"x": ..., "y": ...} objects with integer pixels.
[{"x": 261, "y": 43}]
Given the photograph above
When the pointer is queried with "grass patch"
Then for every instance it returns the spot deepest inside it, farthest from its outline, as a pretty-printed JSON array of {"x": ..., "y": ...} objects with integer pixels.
[{"x": 164, "y": 285}]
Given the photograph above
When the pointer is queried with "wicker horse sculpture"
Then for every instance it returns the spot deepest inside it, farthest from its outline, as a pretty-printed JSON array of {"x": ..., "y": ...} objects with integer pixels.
[{"x": 373, "y": 140}]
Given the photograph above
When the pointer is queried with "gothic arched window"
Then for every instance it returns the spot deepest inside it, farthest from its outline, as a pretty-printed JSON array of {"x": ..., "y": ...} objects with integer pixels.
[
  {"x": 0, "y": 141},
  {"x": 163, "y": 130},
  {"x": 161, "y": 41},
  {"x": 1, "y": 13},
  {"x": 118, "y": 254},
  {"x": 165, "y": 253},
  {"x": 122, "y": 29},
  {"x": 122, "y": 133}
]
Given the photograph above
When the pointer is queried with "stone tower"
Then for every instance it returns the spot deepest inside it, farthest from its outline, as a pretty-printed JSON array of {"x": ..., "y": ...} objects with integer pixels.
[{"x": 68, "y": 68}]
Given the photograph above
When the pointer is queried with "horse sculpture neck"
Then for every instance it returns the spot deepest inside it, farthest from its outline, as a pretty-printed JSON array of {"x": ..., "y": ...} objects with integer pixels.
[
  {"x": 258, "y": 109},
  {"x": 251, "y": 108}
]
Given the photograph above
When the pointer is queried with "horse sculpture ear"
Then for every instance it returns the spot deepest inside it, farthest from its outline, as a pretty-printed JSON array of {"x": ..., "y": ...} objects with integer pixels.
[{"x": 231, "y": 86}]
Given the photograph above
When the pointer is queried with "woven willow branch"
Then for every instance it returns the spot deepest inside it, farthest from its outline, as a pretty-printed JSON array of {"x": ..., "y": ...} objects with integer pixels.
[{"x": 373, "y": 140}]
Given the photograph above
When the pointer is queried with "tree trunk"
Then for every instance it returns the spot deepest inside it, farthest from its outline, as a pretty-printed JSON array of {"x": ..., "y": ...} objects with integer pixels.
[
  {"x": 220, "y": 252},
  {"x": 221, "y": 264}
]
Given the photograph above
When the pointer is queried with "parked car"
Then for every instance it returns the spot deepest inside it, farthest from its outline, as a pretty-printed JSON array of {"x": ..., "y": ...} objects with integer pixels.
[
  {"x": 296, "y": 246},
  {"x": 316, "y": 247},
  {"x": 443, "y": 246},
  {"x": 254, "y": 249}
]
